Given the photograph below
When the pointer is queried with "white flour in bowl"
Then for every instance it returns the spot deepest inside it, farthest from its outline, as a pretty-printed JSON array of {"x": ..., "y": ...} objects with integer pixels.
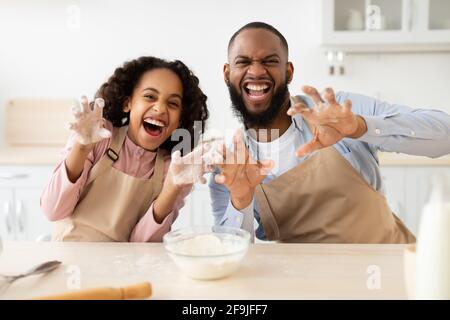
[
  {"x": 205, "y": 245},
  {"x": 208, "y": 256}
]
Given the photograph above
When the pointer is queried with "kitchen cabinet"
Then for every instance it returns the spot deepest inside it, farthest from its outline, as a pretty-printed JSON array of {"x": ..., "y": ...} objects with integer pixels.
[
  {"x": 7, "y": 216},
  {"x": 394, "y": 189},
  {"x": 386, "y": 25},
  {"x": 406, "y": 187},
  {"x": 197, "y": 210},
  {"x": 21, "y": 218},
  {"x": 407, "y": 190}
]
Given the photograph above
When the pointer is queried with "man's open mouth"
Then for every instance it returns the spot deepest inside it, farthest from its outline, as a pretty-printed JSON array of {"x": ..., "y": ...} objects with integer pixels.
[
  {"x": 257, "y": 91},
  {"x": 154, "y": 127}
]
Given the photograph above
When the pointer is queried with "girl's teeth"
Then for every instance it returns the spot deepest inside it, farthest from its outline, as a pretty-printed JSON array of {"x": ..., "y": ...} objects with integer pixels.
[{"x": 155, "y": 122}]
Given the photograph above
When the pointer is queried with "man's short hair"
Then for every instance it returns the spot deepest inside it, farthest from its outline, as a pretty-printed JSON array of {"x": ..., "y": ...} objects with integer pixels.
[{"x": 260, "y": 25}]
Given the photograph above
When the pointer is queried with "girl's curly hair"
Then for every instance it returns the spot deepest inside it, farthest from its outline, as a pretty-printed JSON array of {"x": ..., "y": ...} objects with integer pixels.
[{"x": 120, "y": 86}]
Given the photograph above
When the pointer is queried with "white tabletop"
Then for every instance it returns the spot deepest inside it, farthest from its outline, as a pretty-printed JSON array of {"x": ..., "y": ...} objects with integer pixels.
[{"x": 269, "y": 271}]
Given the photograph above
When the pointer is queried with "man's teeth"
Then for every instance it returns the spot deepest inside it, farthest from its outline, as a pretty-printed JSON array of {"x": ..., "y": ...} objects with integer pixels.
[
  {"x": 257, "y": 87},
  {"x": 155, "y": 122}
]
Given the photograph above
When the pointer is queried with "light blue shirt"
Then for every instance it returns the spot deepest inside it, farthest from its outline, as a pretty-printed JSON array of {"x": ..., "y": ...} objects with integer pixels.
[{"x": 390, "y": 128}]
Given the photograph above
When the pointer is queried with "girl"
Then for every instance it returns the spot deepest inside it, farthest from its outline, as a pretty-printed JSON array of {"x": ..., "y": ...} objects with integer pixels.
[{"x": 116, "y": 181}]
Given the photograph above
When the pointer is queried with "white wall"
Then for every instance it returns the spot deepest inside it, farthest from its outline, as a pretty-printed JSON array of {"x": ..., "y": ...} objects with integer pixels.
[{"x": 40, "y": 56}]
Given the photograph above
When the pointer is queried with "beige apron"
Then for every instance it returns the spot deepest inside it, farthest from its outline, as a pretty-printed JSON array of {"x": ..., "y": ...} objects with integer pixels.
[
  {"x": 325, "y": 200},
  {"x": 112, "y": 202}
]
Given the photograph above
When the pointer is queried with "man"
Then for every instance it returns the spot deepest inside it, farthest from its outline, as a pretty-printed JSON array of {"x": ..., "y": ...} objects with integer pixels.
[{"x": 325, "y": 184}]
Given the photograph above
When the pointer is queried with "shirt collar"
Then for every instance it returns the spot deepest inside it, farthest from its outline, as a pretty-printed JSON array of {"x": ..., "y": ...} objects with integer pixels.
[
  {"x": 137, "y": 150},
  {"x": 296, "y": 119}
]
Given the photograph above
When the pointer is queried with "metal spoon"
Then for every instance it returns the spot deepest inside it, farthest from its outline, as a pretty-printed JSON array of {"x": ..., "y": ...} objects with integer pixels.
[{"x": 39, "y": 269}]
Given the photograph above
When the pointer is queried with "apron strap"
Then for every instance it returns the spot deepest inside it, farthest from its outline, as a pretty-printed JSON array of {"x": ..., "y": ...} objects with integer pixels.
[{"x": 111, "y": 155}]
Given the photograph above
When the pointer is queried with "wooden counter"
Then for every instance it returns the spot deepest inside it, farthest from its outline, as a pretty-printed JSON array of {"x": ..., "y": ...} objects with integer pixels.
[{"x": 269, "y": 271}]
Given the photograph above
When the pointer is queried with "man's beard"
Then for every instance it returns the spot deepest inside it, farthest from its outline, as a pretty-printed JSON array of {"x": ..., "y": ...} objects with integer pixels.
[{"x": 258, "y": 119}]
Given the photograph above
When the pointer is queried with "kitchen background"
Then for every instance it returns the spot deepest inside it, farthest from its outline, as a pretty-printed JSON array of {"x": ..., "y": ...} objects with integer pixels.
[{"x": 53, "y": 51}]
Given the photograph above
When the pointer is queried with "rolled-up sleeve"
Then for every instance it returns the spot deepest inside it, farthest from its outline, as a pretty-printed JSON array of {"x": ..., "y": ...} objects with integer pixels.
[
  {"x": 399, "y": 128},
  {"x": 225, "y": 214},
  {"x": 223, "y": 211}
]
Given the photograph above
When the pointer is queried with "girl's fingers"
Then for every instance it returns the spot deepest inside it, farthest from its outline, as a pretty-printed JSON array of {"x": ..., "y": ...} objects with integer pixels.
[
  {"x": 73, "y": 126},
  {"x": 76, "y": 109},
  {"x": 196, "y": 156},
  {"x": 176, "y": 157},
  {"x": 84, "y": 104},
  {"x": 206, "y": 146},
  {"x": 212, "y": 158},
  {"x": 99, "y": 104},
  {"x": 104, "y": 133}
]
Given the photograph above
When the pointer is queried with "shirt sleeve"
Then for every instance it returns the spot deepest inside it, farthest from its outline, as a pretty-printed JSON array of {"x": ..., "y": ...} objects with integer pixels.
[
  {"x": 225, "y": 214},
  {"x": 147, "y": 229},
  {"x": 248, "y": 221},
  {"x": 398, "y": 128},
  {"x": 60, "y": 196}
]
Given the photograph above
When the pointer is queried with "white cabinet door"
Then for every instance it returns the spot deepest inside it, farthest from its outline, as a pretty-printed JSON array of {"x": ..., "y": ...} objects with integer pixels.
[
  {"x": 201, "y": 211},
  {"x": 197, "y": 210},
  {"x": 395, "y": 191},
  {"x": 386, "y": 25},
  {"x": 20, "y": 191},
  {"x": 407, "y": 190},
  {"x": 31, "y": 222},
  {"x": 418, "y": 186},
  {"x": 7, "y": 221},
  {"x": 433, "y": 21},
  {"x": 184, "y": 216}
]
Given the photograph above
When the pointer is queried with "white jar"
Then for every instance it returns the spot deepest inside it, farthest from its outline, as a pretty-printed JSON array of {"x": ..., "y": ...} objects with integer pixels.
[
  {"x": 355, "y": 20},
  {"x": 433, "y": 244}
]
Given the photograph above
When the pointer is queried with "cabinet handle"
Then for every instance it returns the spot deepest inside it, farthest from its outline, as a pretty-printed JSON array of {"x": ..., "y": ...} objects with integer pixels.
[
  {"x": 408, "y": 8},
  {"x": 20, "y": 216},
  {"x": 7, "y": 212},
  {"x": 11, "y": 176}
]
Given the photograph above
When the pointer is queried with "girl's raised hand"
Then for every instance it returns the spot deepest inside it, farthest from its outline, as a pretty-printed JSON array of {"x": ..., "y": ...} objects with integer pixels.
[
  {"x": 192, "y": 167},
  {"x": 88, "y": 123}
]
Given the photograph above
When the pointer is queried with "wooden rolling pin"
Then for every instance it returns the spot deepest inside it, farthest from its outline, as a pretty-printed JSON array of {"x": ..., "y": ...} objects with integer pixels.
[{"x": 136, "y": 291}]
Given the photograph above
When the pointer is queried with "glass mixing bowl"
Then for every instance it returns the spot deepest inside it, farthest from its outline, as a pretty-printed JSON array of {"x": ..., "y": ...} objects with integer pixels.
[{"x": 207, "y": 253}]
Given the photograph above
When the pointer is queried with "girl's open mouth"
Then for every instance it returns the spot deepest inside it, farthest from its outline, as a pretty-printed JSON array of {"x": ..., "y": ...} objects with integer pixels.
[{"x": 153, "y": 127}]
